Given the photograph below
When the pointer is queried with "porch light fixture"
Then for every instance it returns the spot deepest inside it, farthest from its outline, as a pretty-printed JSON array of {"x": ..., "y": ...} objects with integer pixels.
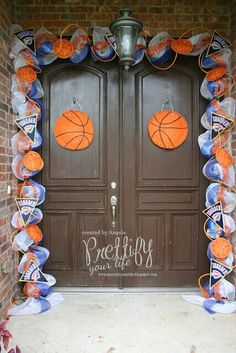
[{"x": 126, "y": 30}]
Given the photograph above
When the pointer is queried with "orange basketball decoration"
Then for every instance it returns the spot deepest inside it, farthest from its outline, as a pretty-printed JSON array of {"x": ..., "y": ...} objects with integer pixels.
[
  {"x": 33, "y": 161},
  {"x": 26, "y": 74},
  {"x": 223, "y": 157},
  {"x": 31, "y": 290},
  {"x": 34, "y": 232},
  {"x": 63, "y": 48},
  {"x": 182, "y": 46},
  {"x": 216, "y": 73},
  {"x": 167, "y": 129},
  {"x": 74, "y": 130},
  {"x": 219, "y": 141},
  {"x": 221, "y": 248}
]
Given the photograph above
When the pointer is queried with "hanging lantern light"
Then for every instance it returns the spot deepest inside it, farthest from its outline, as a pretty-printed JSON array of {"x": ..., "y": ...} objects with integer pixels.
[{"x": 126, "y": 30}]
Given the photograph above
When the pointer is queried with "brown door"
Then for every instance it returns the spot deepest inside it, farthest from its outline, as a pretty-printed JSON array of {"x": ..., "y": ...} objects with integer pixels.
[
  {"x": 164, "y": 189},
  {"x": 77, "y": 182},
  {"x": 159, "y": 192}
]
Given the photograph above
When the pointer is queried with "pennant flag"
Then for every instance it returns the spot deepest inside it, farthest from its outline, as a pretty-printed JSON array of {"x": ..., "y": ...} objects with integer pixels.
[
  {"x": 219, "y": 124},
  {"x": 112, "y": 40},
  {"x": 215, "y": 213},
  {"x": 27, "y": 38},
  {"x": 33, "y": 274},
  {"x": 218, "y": 271},
  {"x": 217, "y": 43},
  {"x": 26, "y": 207},
  {"x": 28, "y": 125}
]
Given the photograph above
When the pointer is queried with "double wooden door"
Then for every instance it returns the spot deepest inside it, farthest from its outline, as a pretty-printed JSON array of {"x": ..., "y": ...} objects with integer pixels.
[{"x": 153, "y": 196}]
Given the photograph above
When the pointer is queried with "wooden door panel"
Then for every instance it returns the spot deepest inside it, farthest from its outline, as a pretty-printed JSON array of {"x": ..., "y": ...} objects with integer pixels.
[
  {"x": 58, "y": 225},
  {"x": 183, "y": 241},
  {"x": 87, "y": 85},
  {"x": 157, "y": 166},
  {"x": 75, "y": 199},
  {"x": 152, "y": 226},
  {"x": 167, "y": 199},
  {"x": 89, "y": 268},
  {"x": 89, "y": 226}
]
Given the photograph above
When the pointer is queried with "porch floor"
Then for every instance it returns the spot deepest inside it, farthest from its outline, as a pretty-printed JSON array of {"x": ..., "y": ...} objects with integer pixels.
[{"x": 125, "y": 323}]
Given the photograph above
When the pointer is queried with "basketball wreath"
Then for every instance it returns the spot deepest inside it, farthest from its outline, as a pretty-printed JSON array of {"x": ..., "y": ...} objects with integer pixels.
[
  {"x": 167, "y": 129},
  {"x": 74, "y": 130}
]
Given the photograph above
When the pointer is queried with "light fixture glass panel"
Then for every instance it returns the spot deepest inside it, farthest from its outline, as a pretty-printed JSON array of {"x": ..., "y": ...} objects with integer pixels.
[{"x": 126, "y": 30}]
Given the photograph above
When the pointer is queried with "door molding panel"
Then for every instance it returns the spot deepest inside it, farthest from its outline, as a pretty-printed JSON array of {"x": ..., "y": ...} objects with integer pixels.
[
  {"x": 185, "y": 82},
  {"x": 75, "y": 199},
  {"x": 184, "y": 229},
  {"x": 69, "y": 81},
  {"x": 167, "y": 199},
  {"x": 58, "y": 224},
  {"x": 152, "y": 226}
]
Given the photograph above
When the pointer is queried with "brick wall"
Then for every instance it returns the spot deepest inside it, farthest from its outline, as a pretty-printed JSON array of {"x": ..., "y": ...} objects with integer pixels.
[
  {"x": 7, "y": 129},
  {"x": 157, "y": 15}
]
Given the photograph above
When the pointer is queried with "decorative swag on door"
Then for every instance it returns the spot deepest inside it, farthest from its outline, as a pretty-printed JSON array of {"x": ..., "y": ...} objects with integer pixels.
[{"x": 161, "y": 52}]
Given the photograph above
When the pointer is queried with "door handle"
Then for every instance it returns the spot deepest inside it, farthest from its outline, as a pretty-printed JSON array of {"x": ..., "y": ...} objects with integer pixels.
[{"x": 113, "y": 202}]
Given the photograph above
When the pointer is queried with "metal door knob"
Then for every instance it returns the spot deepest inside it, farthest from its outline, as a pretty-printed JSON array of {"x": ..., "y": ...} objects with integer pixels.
[{"x": 113, "y": 202}]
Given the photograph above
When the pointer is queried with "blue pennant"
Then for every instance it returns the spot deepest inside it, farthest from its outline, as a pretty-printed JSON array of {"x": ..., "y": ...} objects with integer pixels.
[
  {"x": 33, "y": 274},
  {"x": 218, "y": 271},
  {"x": 26, "y": 207},
  {"x": 27, "y": 38},
  {"x": 217, "y": 43},
  {"x": 215, "y": 213},
  {"x": 219, "y": 124},
  {"x": 28, "y": 125},
  {"x": 112, "y": 40}
]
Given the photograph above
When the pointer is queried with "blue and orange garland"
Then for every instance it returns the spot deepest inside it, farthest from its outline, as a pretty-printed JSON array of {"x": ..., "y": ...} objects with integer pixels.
[{"x": 218, "y": 120}]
